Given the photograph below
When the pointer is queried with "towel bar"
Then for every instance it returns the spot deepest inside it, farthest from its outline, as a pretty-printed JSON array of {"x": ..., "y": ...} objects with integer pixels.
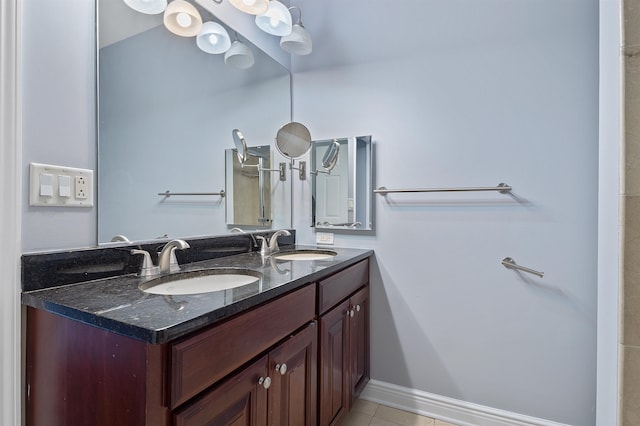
[
  {"x": 168, "y": 193},
  {"x": 511, "y": 264},
  {"x": 503, "y": 188}
]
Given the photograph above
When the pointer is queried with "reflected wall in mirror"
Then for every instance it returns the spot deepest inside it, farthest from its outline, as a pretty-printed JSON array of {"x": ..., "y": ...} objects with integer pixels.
[
  {"x": 249, "y": 187},
  {"x": 166, "y": 111},
  {"x": 342, "y": 188}
]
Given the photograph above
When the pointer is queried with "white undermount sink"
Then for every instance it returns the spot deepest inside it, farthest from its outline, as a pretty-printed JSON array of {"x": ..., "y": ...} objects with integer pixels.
[
  {"x": 204, "y": 281},
  {"x": 305, "y": 255}
]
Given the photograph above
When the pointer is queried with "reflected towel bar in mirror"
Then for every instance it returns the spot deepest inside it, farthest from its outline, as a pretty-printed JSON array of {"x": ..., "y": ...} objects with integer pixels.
[
  {"x": 503, "y": 188},
  {"x": 168, "y": 193}
]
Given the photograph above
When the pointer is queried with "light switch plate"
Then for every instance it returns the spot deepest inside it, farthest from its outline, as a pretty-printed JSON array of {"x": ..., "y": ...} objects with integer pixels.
[
  {"x": 80, "y": 193},
  {"x": 324, "y": 238}
]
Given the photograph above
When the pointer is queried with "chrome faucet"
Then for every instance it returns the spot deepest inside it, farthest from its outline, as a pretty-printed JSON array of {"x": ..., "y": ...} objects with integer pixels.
[
  {"x": 272, "y": 246},
  {"x": 167, "y": 261},
  {"x": 273, "y": 242}
]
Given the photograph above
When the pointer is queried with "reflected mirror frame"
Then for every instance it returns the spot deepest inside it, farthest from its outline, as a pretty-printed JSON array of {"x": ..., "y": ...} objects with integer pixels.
[{"x": 359, "y": 151}]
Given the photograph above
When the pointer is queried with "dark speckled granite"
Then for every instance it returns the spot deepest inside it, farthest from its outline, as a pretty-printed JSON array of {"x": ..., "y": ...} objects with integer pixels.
[{"x": 118, "y": 305}]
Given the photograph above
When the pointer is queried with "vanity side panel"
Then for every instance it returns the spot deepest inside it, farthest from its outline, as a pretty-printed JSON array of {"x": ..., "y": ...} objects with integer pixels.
[{"x": 70, "y": 363}]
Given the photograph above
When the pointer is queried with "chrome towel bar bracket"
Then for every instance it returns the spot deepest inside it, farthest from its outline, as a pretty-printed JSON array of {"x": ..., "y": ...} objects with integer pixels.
[
  {"x": 511, "y": 264},
  {"x": 502, "y": 188}
]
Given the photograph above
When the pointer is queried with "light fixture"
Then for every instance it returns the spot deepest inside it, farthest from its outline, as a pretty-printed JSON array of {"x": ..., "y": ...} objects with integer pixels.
[
  {"x": 213, "y": 38},
  {"x": 252, "y": 7},
  {"x": 182, "y": 18},
  {"x": 239, "y": 56},
  {"x": 276, "y": 20},
  {"x": 298, "y": 41},
  {"x": 150, "y": 7}
]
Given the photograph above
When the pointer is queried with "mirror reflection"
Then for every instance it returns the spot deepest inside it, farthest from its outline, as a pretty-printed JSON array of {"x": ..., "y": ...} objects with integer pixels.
[
  {"x": 166, "y": 111},
  {"x": 248, "y": 190},
  {"x": 342, "y": 184},
  {"x": 329, "y": 159}
]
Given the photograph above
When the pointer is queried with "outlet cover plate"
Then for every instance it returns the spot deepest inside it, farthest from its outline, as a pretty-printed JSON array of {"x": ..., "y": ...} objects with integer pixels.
[
  {"x": 56, "y": 199},
  {"x": 325, "y": 238}
]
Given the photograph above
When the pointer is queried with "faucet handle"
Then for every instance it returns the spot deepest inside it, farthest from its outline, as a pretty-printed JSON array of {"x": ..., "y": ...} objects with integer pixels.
[{"x": 148, "y": 268}]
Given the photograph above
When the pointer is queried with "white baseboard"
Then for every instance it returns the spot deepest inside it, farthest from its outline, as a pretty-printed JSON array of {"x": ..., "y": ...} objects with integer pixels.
[{"x": 448, "y": 409}]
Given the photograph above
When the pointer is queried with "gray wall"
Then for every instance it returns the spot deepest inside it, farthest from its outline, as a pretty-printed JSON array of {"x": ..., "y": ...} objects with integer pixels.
[
  {"x": 58, "y": 49},
  {"x": 462, "y": 93}
]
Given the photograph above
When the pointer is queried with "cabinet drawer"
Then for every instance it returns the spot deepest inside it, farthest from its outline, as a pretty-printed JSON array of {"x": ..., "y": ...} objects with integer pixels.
[
  {"x": 200, "y": 361},
  {"x": 339, "y": 286}
]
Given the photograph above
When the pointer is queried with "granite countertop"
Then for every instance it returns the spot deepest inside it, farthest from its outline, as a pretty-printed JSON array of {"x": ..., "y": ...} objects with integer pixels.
[{"x": 117, "y": 304}]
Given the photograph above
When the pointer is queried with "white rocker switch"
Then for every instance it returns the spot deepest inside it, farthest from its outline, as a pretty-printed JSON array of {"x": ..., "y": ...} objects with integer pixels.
[
  {"x": 64, "y": 186},
  {"x": 46, "y": 185}
]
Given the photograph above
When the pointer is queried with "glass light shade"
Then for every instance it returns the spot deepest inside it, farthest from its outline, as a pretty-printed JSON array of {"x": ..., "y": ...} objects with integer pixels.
[
  {"x": 182, "y": 18},
  {"x": 276, "y": 20},
  {"x": 150, "y": 7},
  {"x": 252, "y": 7},
  {"x": 298, "y": 42},
  {"x": 213, "y": 38},
  {"x": 239, "y": 56}
]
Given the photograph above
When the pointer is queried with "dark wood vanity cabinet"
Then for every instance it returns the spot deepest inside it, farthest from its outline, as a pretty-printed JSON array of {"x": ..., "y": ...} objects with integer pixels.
[
  {"x": 82, "y": 375},
  {"x": 344, "y": 341},
  {"x": 299, "y": 360}
]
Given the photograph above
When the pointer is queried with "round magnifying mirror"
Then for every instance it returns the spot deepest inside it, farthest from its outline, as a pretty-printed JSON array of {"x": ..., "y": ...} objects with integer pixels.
[
  {"x": 330, "y": 157},
  {"x": 293, "y": 140},
  {"x": 241, "y": 145}
]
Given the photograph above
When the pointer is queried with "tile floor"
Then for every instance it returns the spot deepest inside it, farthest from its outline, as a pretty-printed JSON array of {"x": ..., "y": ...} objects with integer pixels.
[{"x": 366, "y": 413}]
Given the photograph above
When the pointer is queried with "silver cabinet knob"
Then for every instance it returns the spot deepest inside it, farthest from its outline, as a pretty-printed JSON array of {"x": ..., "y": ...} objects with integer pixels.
[
  {"x": 352, "y": 313},
  {"x": 281, "y": 368},
  {"x": 265, "y": 382},
  {"x": 358, "y": 308}
]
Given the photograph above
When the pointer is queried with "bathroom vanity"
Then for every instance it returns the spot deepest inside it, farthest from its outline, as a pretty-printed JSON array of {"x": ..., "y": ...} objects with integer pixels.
[{"x": 291, "y": 349}]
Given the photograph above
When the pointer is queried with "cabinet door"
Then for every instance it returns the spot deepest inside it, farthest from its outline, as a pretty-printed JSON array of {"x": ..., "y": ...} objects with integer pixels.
[
  {"x": 293, "y": 370},
  {"x": 239, "y": 401},
  {"x": 359, "y": 342},
  {"x": 334, "y": 365}
]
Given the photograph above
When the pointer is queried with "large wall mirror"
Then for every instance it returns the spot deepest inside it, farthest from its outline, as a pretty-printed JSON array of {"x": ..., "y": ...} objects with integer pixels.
[
  {"x": 166, "y": 114},
  {"x": 342, "y": 170}
]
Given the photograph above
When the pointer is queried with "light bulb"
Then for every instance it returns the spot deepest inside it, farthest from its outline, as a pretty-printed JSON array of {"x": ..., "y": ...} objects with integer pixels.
[
  {"x": 213, "y": 39},
  {"x": 274, "y": 21},
  {"x": 183, "y": 19},
  {"x": 249, "y": 2}
]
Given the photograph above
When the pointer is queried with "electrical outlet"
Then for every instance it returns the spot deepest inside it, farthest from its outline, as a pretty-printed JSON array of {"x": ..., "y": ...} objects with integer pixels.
[
  {"x": 81, "y": 188},
  {"x": 324, "y": 238}
]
